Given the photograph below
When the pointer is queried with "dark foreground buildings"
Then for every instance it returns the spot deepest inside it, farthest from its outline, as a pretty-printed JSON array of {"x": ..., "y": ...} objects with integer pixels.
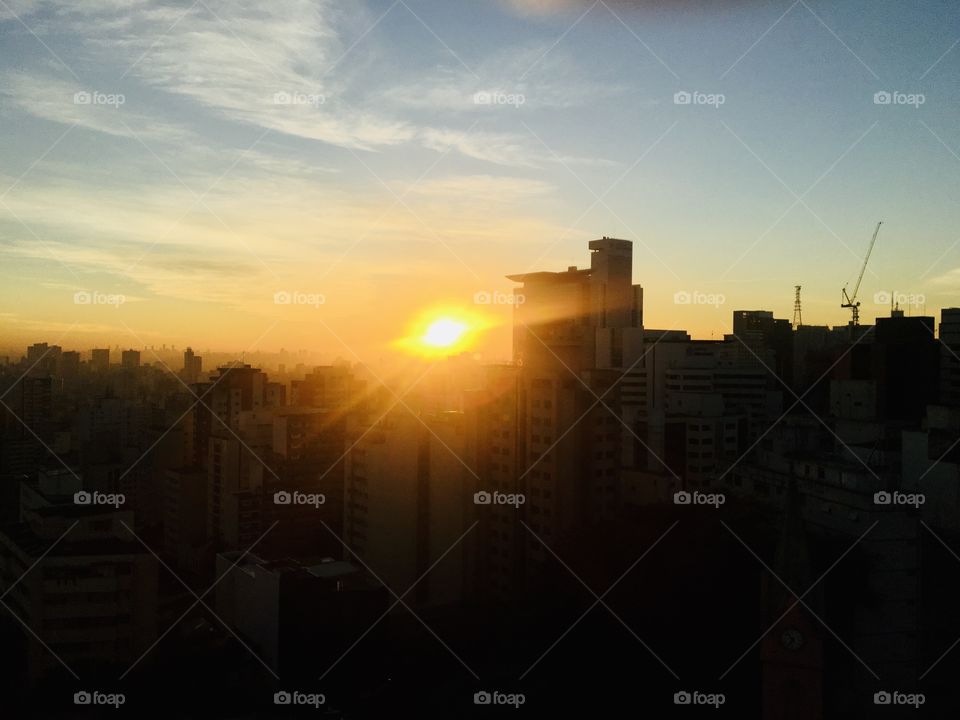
[{"x": 761, "y": 526}]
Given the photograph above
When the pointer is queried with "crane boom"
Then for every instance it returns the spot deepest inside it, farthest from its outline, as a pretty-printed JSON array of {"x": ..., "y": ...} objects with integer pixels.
[
  {"x": 873, "y": 241},
  {"x": 850, "y": 301}
]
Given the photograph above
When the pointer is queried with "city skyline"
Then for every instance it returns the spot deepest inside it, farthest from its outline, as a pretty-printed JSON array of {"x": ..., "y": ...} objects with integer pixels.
[
  {"x": 443, "y": 357},
  {"x": 307, "y": 497},
  {"x": 392, "y": 156}
]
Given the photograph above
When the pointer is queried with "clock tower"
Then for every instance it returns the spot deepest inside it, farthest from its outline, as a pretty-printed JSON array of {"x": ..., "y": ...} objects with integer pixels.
[{"x": 791, "y": 654}]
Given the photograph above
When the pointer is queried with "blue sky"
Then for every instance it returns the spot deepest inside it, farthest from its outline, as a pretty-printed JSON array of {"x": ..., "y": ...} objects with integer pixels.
[{"x": 338, "y": 149}]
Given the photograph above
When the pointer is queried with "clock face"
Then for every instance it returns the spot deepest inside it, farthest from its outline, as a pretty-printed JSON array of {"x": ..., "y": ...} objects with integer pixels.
[{"x": 792, "y": 639}]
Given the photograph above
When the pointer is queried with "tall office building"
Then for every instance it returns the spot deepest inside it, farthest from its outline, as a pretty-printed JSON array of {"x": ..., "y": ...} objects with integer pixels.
[
  {"x": 761, "y": 339},
  {"x": 100, "y": 359},
  {"x": 574, "y": 335},
  {"x": 192, "y": 366},
  {"x": 68, "y": 366},
  {"x": 130, "y": 359},
  {"x": 42, "y": 359}
]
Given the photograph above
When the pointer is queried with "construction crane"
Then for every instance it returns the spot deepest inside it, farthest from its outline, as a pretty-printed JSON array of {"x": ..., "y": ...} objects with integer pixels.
[{"x": 850, "y": 301}]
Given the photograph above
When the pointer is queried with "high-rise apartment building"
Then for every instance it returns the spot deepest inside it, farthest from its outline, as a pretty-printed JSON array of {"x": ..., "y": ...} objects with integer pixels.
[
  {"x": 575, "y": 333},
  {"x": 192, "y": 366},
  {"x": 100, "y": 359},
  {"x": 92, "y": 594},
  {"x": 130, "y": 359}
]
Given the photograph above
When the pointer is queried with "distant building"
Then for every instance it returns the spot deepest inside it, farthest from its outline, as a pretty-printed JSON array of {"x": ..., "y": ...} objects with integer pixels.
[
  {"x": 192, "y": 366},
  {"x": 332, "y": 387},
  {"x": 100, "y": 359},
  {"x": 43, "y": 358},
  {"x": 903, "y": 359},
  {"x": 235, "y": 389},
  {"x": 68, "y": 367},
  {"x": 764, "y": 340},
  {"x": 130, "y": 359}
]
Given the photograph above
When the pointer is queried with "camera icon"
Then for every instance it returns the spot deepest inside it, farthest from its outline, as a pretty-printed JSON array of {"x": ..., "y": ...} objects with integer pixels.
[
  {"x": 82, "y": 298},
  {"x": 282, "y": 498},
  {"x": 681, "y": 298},
  {"x": 82, "y": 497},
  {"x": 482, "y": 98},
  {"x": 682, "y": 497},
  {"x": 882, "y": 498},
  {"x": 482, "y": 498},
  {"x": 282, "y": 98},
  {"x": 482, "y": 698},
  {"x": 682, "y": 98},
  {"x": 82, "y": 698},
  {"x": 481, "y": 298},
  {"x": 82, "y": 98},
  {"x": 882, "y": 298},
  {"x": 882, "y": 698},
  {"x": 282, "y": 698},
  {"x": 282, "y": 297},
  {"x": 682, "y": 698},
  {"x": 882, "y": 98}
]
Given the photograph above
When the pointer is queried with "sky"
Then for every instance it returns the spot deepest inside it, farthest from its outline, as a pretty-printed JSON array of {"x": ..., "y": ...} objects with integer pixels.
[{"x": 319, "y": 175}]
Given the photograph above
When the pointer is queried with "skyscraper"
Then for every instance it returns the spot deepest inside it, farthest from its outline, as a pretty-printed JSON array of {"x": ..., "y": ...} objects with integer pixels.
[
  {"x": 100, "y": 359},
  {"x": 192, "y": 366},
  {"x": 574, "y": 334},
  {"x": 130, "y": 359}
]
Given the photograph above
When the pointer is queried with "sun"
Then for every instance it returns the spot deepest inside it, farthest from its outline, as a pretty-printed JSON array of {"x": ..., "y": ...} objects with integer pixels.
[
  {"x": 445, "y": 330},
  {"x": 444, "y": 333}
]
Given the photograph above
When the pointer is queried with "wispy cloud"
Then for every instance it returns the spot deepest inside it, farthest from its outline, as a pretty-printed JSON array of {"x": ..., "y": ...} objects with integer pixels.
[{"x": 67, "y": 102}]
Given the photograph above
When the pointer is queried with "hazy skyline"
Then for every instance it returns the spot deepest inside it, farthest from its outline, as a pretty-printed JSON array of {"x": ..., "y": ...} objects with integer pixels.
[{"x": 226, "y": 152}]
